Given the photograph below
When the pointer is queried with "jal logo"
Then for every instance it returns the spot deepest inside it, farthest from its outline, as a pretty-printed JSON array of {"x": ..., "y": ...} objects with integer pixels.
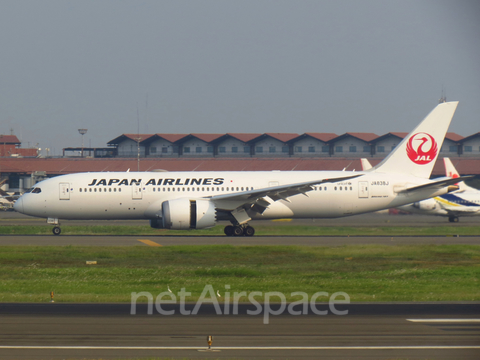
[{"x": 422, "y": 148}]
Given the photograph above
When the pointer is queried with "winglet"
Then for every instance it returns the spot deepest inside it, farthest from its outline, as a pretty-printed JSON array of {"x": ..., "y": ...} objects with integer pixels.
[{"x": 418, "y": 151}]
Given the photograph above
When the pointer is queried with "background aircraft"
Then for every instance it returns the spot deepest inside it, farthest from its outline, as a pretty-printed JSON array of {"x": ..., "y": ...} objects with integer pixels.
[
  {"x": 6, "y": 200},
  {"x": 463, "y": 202}
]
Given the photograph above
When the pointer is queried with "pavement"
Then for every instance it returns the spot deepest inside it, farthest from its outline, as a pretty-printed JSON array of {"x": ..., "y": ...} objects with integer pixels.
[{"x": 368, "y": 331}]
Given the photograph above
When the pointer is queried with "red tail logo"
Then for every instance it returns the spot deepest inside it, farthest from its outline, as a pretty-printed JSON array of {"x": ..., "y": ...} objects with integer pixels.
[{"x": 416, "y": 148}]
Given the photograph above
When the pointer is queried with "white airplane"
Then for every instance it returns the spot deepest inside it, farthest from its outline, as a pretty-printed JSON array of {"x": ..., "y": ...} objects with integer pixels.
[
  {"x": 197, "y": 200},
  {"x": 6, "y": 200},
  {"x": 463, "y": 202}
]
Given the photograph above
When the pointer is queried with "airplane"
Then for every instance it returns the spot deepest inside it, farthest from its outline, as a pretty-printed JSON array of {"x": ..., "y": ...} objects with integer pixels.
[
  {"x": 197, "y": 200},
  {"x": 463, "y": 202},
  {"x": 6, "y": 200}
]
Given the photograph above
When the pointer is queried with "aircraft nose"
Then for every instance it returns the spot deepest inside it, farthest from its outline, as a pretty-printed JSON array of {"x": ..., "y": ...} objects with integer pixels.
[{"x": 18, "y": 206}]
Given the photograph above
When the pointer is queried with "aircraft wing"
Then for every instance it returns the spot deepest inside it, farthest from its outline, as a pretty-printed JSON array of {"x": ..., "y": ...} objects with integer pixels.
[
  {"x": 227, "y": 201},
  {"x": 437, "y": 184},
  {"x": 10, "y": 198}
]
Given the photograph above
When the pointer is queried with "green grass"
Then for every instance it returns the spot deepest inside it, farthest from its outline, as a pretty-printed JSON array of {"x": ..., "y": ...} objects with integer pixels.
[
  {"x": 260, "y": 230},
  {"x": 364, "y": 272}
]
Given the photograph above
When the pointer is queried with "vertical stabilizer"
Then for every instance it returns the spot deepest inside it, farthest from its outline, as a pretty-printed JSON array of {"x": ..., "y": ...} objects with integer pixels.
[
  {"x": 418, "y": 151},
  {"x": 450, "y": 171},
  {"x": 365, "y": 164}
]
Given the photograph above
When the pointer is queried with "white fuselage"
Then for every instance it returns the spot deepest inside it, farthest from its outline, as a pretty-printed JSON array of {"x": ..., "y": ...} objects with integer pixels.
[
  {"x": 465, "y": 203},
  {"x": 128, "y": 195}
]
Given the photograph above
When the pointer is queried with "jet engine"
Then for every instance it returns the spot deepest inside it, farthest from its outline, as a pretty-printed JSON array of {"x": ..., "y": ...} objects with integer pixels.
[
  {"x": 180, "y": 214},
  {"x": 428, "y": 204}
]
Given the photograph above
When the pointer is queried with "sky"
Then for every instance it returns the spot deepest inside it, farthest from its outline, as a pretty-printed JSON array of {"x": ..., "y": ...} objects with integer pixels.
[{"x": 220, "y": 66}]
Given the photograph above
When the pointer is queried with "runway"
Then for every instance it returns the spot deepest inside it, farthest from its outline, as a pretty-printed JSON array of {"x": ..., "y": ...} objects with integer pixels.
[
  {"x": 93, "y": 240},
  {"x": 109, "y": 331},
  {"x": 366, "y": 220},
  {"x": 380, "y": 219}
]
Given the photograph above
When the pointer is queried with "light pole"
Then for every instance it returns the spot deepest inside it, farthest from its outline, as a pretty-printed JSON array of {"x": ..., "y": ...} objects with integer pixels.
[
  {"x": 82, "y": 132},
  {"x": 138, "y": 139}
]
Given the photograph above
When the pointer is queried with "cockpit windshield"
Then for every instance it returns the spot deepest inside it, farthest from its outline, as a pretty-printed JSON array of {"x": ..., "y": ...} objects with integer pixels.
[{"x": 34, "y": 190}]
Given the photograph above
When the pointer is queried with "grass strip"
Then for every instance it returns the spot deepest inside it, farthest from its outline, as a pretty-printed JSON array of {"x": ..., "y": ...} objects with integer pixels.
[
  {"x": 364, "y": 272},
  {"x": 262, "y": 230}
]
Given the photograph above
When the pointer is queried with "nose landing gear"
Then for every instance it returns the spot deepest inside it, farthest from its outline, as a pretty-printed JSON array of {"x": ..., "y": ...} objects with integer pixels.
[
  {"x": 239, "y": 230},
  {"x": 54, "y": 221}
]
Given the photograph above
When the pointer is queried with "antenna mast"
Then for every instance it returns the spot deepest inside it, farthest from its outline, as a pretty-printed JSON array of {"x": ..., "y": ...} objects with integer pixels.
[
  {"x": 444, "y": 96},
  {"x": 138, "y": 139}
]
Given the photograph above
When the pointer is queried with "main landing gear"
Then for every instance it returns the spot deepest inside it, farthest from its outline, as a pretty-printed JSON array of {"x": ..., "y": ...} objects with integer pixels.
[
  {"x": 239, "y": 230},
  {"x": 453, "y": 219},
  {"x": 56, "y": 230}
]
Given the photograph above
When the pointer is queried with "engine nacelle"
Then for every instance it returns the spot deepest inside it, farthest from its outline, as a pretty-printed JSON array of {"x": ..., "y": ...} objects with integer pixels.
[
  {"x": 181, "y": 214},
  {"x": 428, "y": 204}
]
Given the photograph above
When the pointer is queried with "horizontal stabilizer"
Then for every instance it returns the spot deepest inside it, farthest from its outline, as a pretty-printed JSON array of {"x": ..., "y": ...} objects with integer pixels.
[{"x": 437, "y": 184}]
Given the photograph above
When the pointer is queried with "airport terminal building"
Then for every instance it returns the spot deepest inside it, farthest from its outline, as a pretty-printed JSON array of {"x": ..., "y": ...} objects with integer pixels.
[{"x": 22, "y": 168}]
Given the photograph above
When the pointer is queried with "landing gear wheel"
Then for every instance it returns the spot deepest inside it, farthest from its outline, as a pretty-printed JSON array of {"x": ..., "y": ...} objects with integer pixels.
[
  {"x": 237, "y": 231},
  {"x": 56, "y": 230},
  {"x": 248, "y": 231},
  {"x": 453, "y": 219},
  {"x": 228, "y": 230}
]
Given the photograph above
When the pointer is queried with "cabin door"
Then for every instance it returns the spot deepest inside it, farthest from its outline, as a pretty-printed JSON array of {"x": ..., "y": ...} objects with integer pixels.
[
  {"x": 137, "y": 191},
  {"x": 64, "y": 191},
  {"x": 363, "y": 189}
]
